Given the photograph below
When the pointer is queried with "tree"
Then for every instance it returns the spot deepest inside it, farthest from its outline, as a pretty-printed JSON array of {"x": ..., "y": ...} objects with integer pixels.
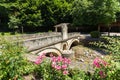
[
  {"x": 106, "y": 11},
  {"x": 37, "y": 13},
  {"x": 3, "y": 18},
  {"x": 95, "y": 12},
  {"x": 29, "y": 13},
  {"x": 14, "y": 23},
  {"x": 10, "y": 9},
  {"x": 23, "y": 13},
  {"x": 81, "y": 12},
  {"x": 56, "y": 11}
]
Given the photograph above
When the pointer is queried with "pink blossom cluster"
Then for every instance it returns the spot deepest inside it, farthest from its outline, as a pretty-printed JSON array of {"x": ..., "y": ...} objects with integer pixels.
[
  {"x": 102, "y": 74},
  {"x": 60, "y": 63},
  {"x": 99, "y": 63},
  {"x": 39, "y": 59}
]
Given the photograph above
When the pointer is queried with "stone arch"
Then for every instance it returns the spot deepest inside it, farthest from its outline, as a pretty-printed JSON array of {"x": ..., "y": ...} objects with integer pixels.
[
  {"x": 74, "y": 42},
  {"x": 64, "y": 46},
  {"x": 48, "y": 51}
]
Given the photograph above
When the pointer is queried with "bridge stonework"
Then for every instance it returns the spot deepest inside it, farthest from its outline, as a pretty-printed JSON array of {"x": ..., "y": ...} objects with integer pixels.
[
  {"x": 51, "y": 44},
  {"x": 55, "y": 44}
]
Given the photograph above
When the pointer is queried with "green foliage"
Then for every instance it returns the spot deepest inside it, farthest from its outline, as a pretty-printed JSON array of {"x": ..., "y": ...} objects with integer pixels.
[
  {"x": 2, "y": 33},
  {"x": 95, "y": 34},
  {"x": 12, "y": 63},
  {"x": 95, "y": 12},
  {"x": 55, "y": 11},
  {"x": 14, "y": 22},
  {"x": 29, "y": 13},
  {"x": 81, "y": 12},
  {"x": 76, "y": 74},
  {"x": 46, "y": 72},
  {"x": 37, "y": 13},
  {"x": 13, "y": 66},
  {"x": 111, "y": 45},
  {"x": 23, "y": 13},
  {"x": 107, "y": 71},
  {"x": 106, "y": 11}
]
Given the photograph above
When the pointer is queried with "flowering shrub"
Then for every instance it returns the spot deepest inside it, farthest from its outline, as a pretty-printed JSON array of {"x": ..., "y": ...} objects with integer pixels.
[
  {"x": 53, "y": 68},
  {"x": 99, "y": 63},
  {"x": 39, "y": 59},
  {"x": 57, "y": 68},
  {"x": 105, "y": 70},
  {"x": 61, "y": 64},
  {"x": 110, "y": 45},
  {"x": 12, "y": 63}
]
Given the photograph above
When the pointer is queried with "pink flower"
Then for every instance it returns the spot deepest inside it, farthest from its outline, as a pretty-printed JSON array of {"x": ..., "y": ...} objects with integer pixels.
[
  {"x": 102, "y": 74},
  {"x": 53, "y": 65},
  {"x": 66, "y": 61},
  {"x": 57, "y": 67},
  {"x": 54, "y": 59},
  {"x": 59, "y": 58},
  {"x": 38, "y": 61},
  {"x": 104, "y": 63},
  {"x": 64, "y": 66},
  {"x": 65, "y": 72},
  {"x": 60, "y": 63},
  {"x": 51, "y": 55},
  {"x": 98, "y": 62}
]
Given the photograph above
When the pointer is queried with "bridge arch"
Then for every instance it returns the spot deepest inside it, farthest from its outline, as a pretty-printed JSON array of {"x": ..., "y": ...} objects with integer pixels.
[
  {"x": 74, "y": 42},
  {"x": 64, "y": 46},
  {"x": 48, "y": 51}
]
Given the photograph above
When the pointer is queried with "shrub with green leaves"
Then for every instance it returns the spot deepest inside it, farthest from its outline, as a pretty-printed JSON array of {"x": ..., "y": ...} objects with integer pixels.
[
  {"x": 110, "y": 45},
  {"x": 105, "y": 69},
  {"x": 12, "y": 63},
  {"x": 54, "y": 68},
  {"x": 95, "y": 34}
]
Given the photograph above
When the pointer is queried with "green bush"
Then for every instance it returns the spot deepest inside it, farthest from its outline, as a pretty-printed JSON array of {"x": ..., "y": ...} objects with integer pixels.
[
  {"x": 111, "y": 45},
  {"x": 95, "y": 34},
  {"x": 12, "y": 63},
  {"x": 2, "y": 33},
  {"x": 47, "y": 68}
]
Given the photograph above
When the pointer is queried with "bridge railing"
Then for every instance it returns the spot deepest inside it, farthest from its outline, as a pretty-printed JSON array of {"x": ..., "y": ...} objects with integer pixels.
[
  {"x": 29, "y": 36},
  {"x": 39, "y": 42},
  {"x": 73, "y": 34},
  {"x": 34, "y": 41}
]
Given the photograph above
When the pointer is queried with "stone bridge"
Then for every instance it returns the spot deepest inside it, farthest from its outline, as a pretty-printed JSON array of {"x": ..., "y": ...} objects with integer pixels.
[
  {"x": 57, "y": 44},
  {"x": 51, "y": 44}
]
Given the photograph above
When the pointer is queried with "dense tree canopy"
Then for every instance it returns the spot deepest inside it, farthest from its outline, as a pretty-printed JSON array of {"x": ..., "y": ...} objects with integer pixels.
[
  {"x": 37, "y": 13},
  {"x": 94, "y": 12},
  {"x": 31, "y": 14},
  {"x": 55, "y": 11}
]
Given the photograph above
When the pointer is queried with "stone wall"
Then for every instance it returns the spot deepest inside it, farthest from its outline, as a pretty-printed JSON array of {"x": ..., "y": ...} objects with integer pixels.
[
  {"x": 30, "y": 36},
  {"x": 40, "y": 42},
  {"x": 44, "y": 41}
]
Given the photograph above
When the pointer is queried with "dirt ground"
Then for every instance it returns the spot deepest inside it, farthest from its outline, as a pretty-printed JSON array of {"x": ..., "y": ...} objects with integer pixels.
[{"x": 84, "y": 57}]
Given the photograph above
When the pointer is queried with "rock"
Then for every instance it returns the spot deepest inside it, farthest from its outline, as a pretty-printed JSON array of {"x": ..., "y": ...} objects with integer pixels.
[
  {"x": 69, "y": 54},
  {"x": 82, "y": 60}
]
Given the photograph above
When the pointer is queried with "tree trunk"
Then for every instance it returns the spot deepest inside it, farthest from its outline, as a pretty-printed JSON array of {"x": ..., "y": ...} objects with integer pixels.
[
  {"x": 99, "y": 28},
  {"x": 22, "y": 29},
  {"x": 109, "y": 30}
]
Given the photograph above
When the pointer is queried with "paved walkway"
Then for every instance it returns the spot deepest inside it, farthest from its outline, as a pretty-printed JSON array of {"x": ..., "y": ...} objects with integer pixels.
[{"x": 103, "y": 34}]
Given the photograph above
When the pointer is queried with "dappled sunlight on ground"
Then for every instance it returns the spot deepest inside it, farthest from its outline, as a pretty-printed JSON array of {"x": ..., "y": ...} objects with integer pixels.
[{"x": 84, "y": 57}]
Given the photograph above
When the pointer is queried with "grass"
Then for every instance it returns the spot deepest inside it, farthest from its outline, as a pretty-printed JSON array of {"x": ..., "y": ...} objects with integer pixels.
[{"x": 8, "y": 34}]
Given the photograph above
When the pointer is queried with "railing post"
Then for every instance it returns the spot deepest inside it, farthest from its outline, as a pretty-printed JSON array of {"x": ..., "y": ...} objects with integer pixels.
[{"x": 64, "y": 31}]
